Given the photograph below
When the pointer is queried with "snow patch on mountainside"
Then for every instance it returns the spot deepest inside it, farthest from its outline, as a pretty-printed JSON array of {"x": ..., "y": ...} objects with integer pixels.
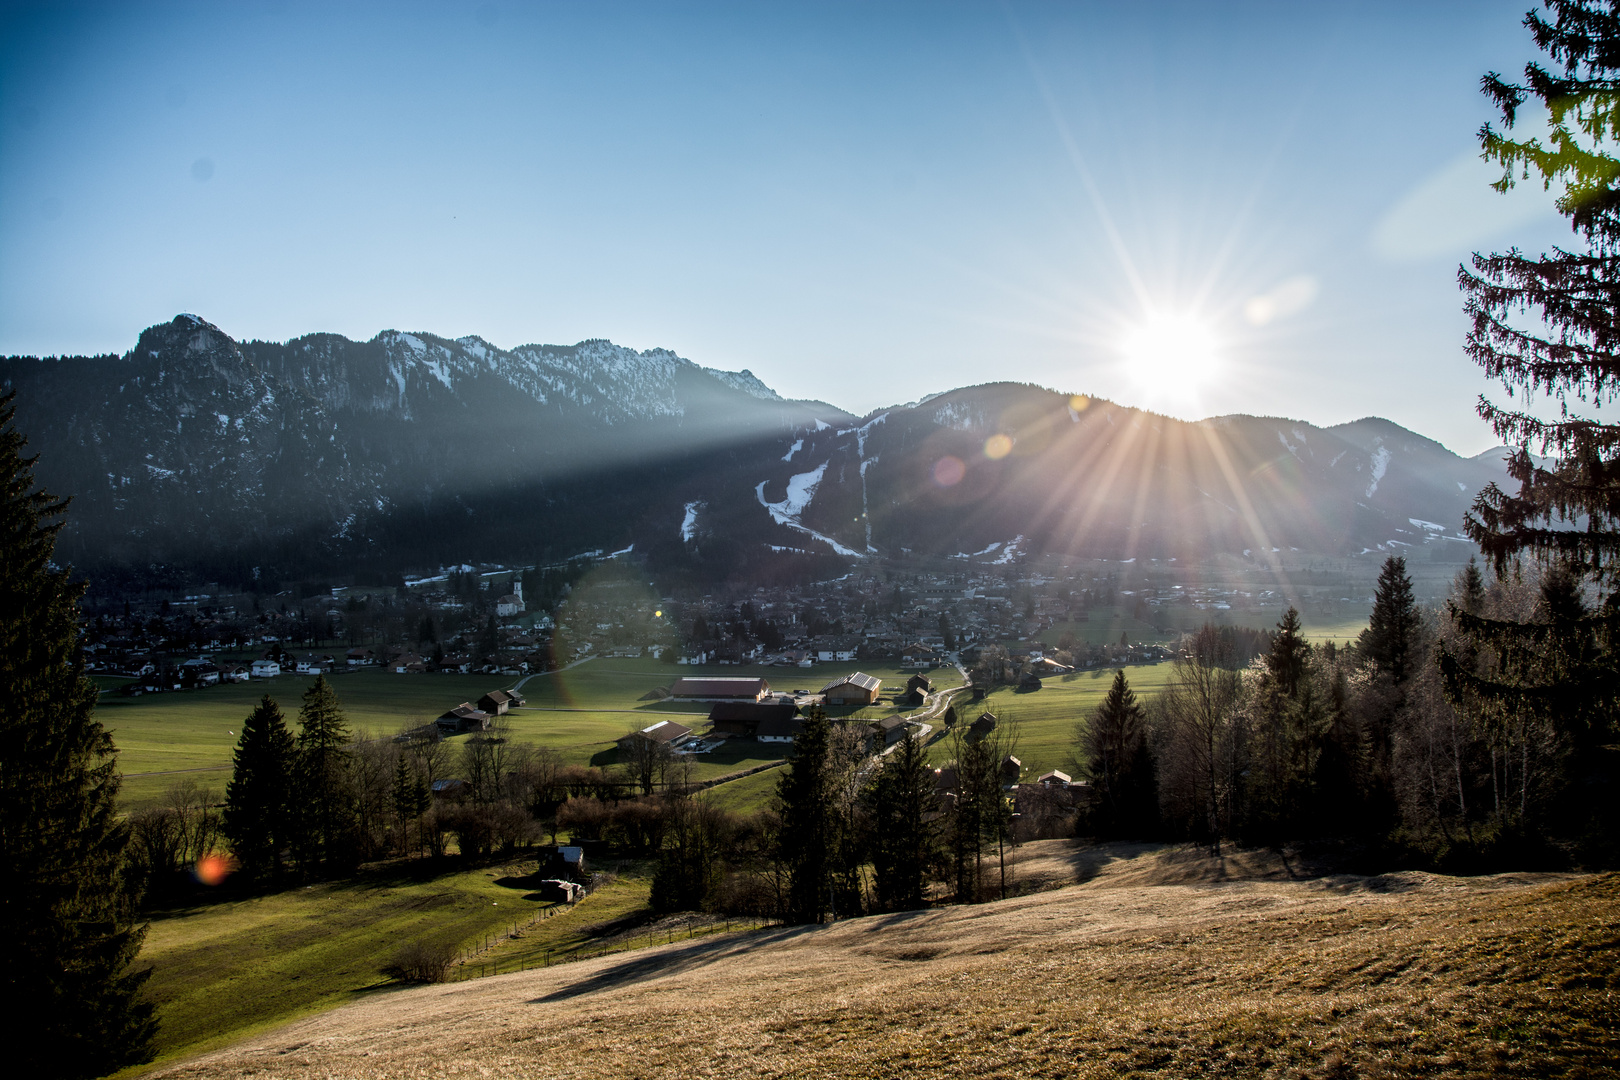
[
  {"x": 746, "y": 381},
  {"x": 801, "y": 488},
  {"x": 1380, "y": 463},
  {"x": 1012, "y": 551}
]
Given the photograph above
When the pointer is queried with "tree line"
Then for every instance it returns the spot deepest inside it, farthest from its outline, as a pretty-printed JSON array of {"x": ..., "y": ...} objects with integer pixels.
[{"x": 1405, "y": 744}]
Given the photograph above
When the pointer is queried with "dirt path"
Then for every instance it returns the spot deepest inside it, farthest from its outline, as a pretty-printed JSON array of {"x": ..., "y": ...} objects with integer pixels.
[{"x": 1157, "y": 960}]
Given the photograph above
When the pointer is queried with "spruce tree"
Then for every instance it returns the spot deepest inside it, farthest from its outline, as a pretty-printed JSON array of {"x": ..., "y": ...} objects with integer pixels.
[
  {"x": 258, "y": 797},
  {"x": 806, "y": 839},
  {"x": 323, "y": 784},
  {"x": 1286, "y": 661},
  {"x": 69, "y": 996},
  {"x": 1118, "y": 764},
  {"x": 903, "y": 839},
  {"x": 1391, "y": 633},
  {"x": 1562, "y": 667}
]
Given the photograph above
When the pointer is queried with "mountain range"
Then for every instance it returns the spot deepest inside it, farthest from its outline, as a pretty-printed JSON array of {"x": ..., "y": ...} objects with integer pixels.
[{"x": 196, "y": 454}]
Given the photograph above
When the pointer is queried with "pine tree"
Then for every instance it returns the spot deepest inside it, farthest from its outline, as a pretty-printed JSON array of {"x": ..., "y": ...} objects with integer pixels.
[
  {"x": 1565, "y": 514},
  {"x": 1118, "y": 764},
  {"x": 806, "y": 839},
  {"x": 903, "y": 840},
  {"x": 259, "y": 795},
  {"x": 69, "y": 996},
  {"x": 1471, "y": 587},
  {"x": 1390, "y": 635},
  {"x": 1286, "y": 661},
  {"x": 323, "y": 787}
]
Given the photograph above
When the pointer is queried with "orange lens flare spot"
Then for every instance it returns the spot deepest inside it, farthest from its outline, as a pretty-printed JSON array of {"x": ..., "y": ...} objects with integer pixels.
[
  {"x": 998, "y": 446},
  {"x": 213, "y": 868},
  {"x": 948, "y": 471},
  {"x": 1079, "y": 403}
]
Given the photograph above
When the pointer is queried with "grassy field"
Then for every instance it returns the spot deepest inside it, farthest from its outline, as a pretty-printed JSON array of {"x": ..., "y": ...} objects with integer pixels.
[
  {"x": 746, "y": 795},
  {"x": 1046, "y": 718},
  {"x": 580, "y": 712},
  {"x": 1133, "y": 961},
  {"x": 1106, "y": 624},
  {"x": 226, "y": 968}
]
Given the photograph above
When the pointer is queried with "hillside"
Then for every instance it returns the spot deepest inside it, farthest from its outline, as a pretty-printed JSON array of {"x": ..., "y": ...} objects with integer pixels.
[
  {"x": 1159, "y": 961},
  {"x": 197, "y": 455}
]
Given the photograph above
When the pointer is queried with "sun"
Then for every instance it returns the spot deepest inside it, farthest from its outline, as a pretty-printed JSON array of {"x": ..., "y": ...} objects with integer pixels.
[{"x": 1174, "y": 355}]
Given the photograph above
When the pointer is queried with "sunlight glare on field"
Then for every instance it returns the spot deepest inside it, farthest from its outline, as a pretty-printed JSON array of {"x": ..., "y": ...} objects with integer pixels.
[{"x": 1170, "y": 357}]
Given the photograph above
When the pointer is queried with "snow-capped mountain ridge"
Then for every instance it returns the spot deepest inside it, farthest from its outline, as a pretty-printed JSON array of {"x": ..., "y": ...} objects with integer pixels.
[{"x": 413, "y": 449}]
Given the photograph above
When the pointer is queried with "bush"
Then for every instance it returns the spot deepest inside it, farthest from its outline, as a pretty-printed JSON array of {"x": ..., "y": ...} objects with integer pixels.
[{"x": 420, "y": 962}]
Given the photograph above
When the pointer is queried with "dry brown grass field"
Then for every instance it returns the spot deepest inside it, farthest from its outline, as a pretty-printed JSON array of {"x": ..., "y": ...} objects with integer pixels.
[{"x": 1123, "y": 961}]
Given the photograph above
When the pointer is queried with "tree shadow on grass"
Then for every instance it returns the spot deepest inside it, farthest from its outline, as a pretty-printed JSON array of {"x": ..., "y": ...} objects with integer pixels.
[{"x": 679, "y": 960}]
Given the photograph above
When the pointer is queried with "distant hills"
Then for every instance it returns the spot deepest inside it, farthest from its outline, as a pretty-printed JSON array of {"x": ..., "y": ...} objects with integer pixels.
[{"x": 195, "y": 454}]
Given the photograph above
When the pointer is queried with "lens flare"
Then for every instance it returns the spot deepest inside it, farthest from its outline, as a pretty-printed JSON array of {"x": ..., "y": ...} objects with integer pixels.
[
  {"x": 1079, "y": 403},
  {"x": 214, "y": 868},
  {"x": 998, "y": 446},
  {"x": 948, "y": 471}
]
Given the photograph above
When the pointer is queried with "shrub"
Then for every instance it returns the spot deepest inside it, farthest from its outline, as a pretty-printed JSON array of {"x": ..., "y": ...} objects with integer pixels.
[{"x": 420, "y": 962}]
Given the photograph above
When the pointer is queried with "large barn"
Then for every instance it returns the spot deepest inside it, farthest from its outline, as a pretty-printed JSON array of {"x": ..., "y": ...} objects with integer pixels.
[
  {"x": 720, "y": 688},
  {"x": 743, "y": 718}
]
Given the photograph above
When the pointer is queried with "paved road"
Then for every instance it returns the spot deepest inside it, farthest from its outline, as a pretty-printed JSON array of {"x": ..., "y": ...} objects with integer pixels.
[{"x": 519, "y": 684}]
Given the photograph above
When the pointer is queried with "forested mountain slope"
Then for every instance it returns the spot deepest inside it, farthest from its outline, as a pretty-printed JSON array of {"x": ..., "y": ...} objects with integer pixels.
[{"x": 323, "y": 455}]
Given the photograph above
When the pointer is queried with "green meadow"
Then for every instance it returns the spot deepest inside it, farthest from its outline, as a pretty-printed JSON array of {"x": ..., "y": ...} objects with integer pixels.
[
  {"x": 579, "y": 712},
  {"x": 1045, "y": 719},
  {"x": 1105, "y": 625},
  {"x": 224, "y": 969}
]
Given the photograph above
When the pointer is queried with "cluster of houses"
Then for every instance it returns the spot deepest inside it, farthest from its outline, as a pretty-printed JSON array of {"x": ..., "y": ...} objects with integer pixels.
[
  {"x": 1042, "y": 808},
  {"x": 479, "y": 716},
  {"x": 747, "y": 708}
]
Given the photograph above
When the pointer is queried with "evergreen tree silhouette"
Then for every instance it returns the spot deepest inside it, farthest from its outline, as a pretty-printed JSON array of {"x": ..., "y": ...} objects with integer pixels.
[
  {"x": 259, "y": 794},
  {"x": 70, "y": 999}
]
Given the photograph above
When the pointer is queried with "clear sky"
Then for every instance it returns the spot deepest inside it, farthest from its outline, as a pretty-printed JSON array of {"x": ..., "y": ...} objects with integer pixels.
[{"x": 861, "y": 202}]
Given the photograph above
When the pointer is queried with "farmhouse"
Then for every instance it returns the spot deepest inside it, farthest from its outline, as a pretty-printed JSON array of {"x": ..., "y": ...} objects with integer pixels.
[
  {"x": 720, "y": 688},
  {"x": 463, "y": 718},
  {"x": 917, "y": 689},
  {"x": 890, "y": 729},
  {"x": 778, "y": 729},
  {"x": 266, "y": 669},
  {"x": 982, "y": 727},
  {"x": 664, "y": 733},
  {"x": 406, "y": 664},
  {"x": 496, "y": 702},
  {"x": 743, "y": 718},
  {"x": 856, "y": 689}
]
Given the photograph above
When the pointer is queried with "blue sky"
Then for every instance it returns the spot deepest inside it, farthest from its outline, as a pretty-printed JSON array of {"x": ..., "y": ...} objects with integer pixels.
[{"x": 864, "y": 203}]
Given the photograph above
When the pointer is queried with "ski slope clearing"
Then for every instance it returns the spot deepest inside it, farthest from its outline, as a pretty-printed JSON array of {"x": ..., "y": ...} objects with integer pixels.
[{"x": 1131, "y": 959}]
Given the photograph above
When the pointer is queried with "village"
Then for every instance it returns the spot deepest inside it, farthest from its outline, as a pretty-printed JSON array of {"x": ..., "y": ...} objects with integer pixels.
[{"x": 518, "y": 621}]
